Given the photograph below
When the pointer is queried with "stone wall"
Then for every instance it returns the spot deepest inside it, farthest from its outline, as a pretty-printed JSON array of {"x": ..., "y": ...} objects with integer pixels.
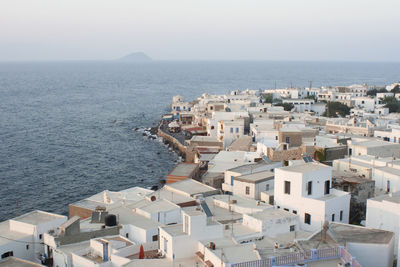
[
  {"x": 172, "y": 142},
  {"x": 83, "y": 213},
  {"x": 295, "y": 138}
]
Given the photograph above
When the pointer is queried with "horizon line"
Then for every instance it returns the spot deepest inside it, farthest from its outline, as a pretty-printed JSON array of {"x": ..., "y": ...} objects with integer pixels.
[{"x": 197, "y": 60}]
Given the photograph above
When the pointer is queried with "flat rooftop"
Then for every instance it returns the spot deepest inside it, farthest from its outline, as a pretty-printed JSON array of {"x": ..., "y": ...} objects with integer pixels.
[
  {"x": 272, "y": 214},
  {"x": 37, "y": 217},
  {"x": 191, "y": 187},
  {"x": 183, "y": 169},
  {"x": 250, "y": 167},
  {"x": 344, "y": 233},
  {"x": 127, "y": 216},
  {"x": 374, "y": 143},
  {"x": 256, "y": 177},
  {"x": 305, "y": 167},
  {"x": 199, "y": 138},
  {"x": 17, "y": 262},
  {"x": 155, "y": 206},
  {"x": 174, "y": 230},
  {"x": 393, "y": 197},
  {"x": 6, "y": 234}
]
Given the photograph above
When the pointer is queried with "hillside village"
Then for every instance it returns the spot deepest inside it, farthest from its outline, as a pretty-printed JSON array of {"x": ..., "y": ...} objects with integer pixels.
[{"x": 280, "y": 177}]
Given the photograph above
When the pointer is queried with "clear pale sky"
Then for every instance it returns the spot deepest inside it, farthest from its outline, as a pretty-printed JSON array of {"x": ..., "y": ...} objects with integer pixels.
[{"x": 359, "y": 30}]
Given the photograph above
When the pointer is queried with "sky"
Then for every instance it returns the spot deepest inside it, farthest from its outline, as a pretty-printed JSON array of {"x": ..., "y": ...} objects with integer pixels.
[{"x": 310, "y": 30}]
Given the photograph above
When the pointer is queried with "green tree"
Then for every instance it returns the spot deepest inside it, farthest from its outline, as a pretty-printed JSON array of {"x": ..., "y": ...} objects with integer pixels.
[
  {"x": 373, "y": 92},
  {"x": 286, "y": 106},
  {"x": 333, "y": 109},
  {"x": 391, "y": 103},
  {"x": 268, "y": 98}
]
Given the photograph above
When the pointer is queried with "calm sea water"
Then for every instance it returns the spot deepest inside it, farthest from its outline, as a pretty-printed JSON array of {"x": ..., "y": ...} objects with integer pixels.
[{"x": 66, "y": 127}]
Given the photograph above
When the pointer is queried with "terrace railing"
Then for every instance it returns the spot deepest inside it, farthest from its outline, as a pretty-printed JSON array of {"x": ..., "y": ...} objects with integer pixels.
[{"x": 302, "y": 257}]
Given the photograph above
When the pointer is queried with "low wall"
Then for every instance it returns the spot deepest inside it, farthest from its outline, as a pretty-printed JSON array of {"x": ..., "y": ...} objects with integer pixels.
[{"x": 172, "y": 141}]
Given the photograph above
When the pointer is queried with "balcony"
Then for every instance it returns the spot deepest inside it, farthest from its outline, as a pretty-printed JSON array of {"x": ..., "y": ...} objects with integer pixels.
[{"x": 310, "y": 256}]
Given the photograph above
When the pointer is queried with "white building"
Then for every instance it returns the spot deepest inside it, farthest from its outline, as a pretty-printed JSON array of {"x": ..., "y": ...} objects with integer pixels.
[
  {"x": 181, "y": 240},
  {"x": 230, "y": 130},
  {"x": 251, "y": 185},
  {"x": 383, "y": 212},
  {"x": 272, "y": 222},
  {"x": 244, "y": 170},
  {"x": 374, "y": 148},
  {"x": 305, "y": 189},
  {"x": 22, "y": 236},
  {"x": 390, "y": 135}
]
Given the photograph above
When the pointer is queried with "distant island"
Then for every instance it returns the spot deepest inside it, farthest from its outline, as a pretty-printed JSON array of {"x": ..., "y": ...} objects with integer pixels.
[{"x": 136, "y": 57}]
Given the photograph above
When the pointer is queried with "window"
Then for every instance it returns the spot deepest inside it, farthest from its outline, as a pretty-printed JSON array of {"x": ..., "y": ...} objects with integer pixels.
[
  {"x": 40, "y": 236},
  {"x": 276, "y": 137},
  {"x": 247, "y": 190},
  {"x": 231, "y": 130},
  {"x": 186, "y": 225},
  {"x": 288, "y": 140},
  {"x": 292, "y": 228},
  {"x": 333, "y": 217},
  {"x": 212, "y": 127},
  {"x": 127, "y": 235},
  {"x": 286, "y": 209},
  {"x": 309, "y": 188},
  {"x": 7, "y": 254},
  {"x": 155, "y": 238},
  {"x": 27, "y": 247},
  {"x": 346, "y": 188},
  {"x": 307, "y": 218},
  {"x": 267, "y": 187},
  {"x": 232, "y": 180},
  {"x": 165, "y": 245},
  {"x": 278, "y": 207},
  {"x": 287, "y": 187},
  {"x": 237, "y": 130},
  {"x": 294, "y": 211},
  {"x": 341, "y": 215},
  {"x": 327, "y": 187}
]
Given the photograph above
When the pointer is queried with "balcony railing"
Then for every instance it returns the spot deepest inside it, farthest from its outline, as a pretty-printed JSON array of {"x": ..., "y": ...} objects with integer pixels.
[{"x": 303, "y": 257}]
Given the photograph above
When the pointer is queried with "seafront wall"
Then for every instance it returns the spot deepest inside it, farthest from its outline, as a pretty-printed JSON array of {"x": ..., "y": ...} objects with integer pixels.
[{"x": 172, "y": 141}]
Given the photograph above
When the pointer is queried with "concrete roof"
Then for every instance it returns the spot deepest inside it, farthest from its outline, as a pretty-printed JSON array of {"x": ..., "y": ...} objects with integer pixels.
[
  {"x": 243, "y": 202},
  {"x": 37, "y": 217},
  {"x": 249, "y": 167},
  {"x": 174, "y": 230},
  {"x": 17, "y": 262},
  {"x": 392, "y": 197},
  {"x": 305, "y": 167},
  {"x": 129, "y": 195},
  {"x": 199, "y": 138},
  {"x": 243, "y": 143},
  {"x": 341, "y": 234},
  {"x": 374, "y": 143},
  {"x": 127, "y": 216},
  {"x": 344, "y": 233},
  {"x": 183, "y": 169},
  {"x": 270, "y": 214},
  {"x": 256, "y": 177},
  {"x": 154, "y": 206},
  {"x": 191, "y": 187},
  {"x": 171, "y": 195},
  {"x": 6, "y": 235},
  {"x": 238, "y": 253}
]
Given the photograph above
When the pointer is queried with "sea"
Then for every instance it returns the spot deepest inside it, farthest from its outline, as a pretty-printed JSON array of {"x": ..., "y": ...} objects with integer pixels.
[{"x": 67, "y": 129}]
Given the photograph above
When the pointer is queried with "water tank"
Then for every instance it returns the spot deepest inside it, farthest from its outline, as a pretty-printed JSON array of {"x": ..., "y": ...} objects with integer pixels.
[{"x": 111, "y": 220}]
